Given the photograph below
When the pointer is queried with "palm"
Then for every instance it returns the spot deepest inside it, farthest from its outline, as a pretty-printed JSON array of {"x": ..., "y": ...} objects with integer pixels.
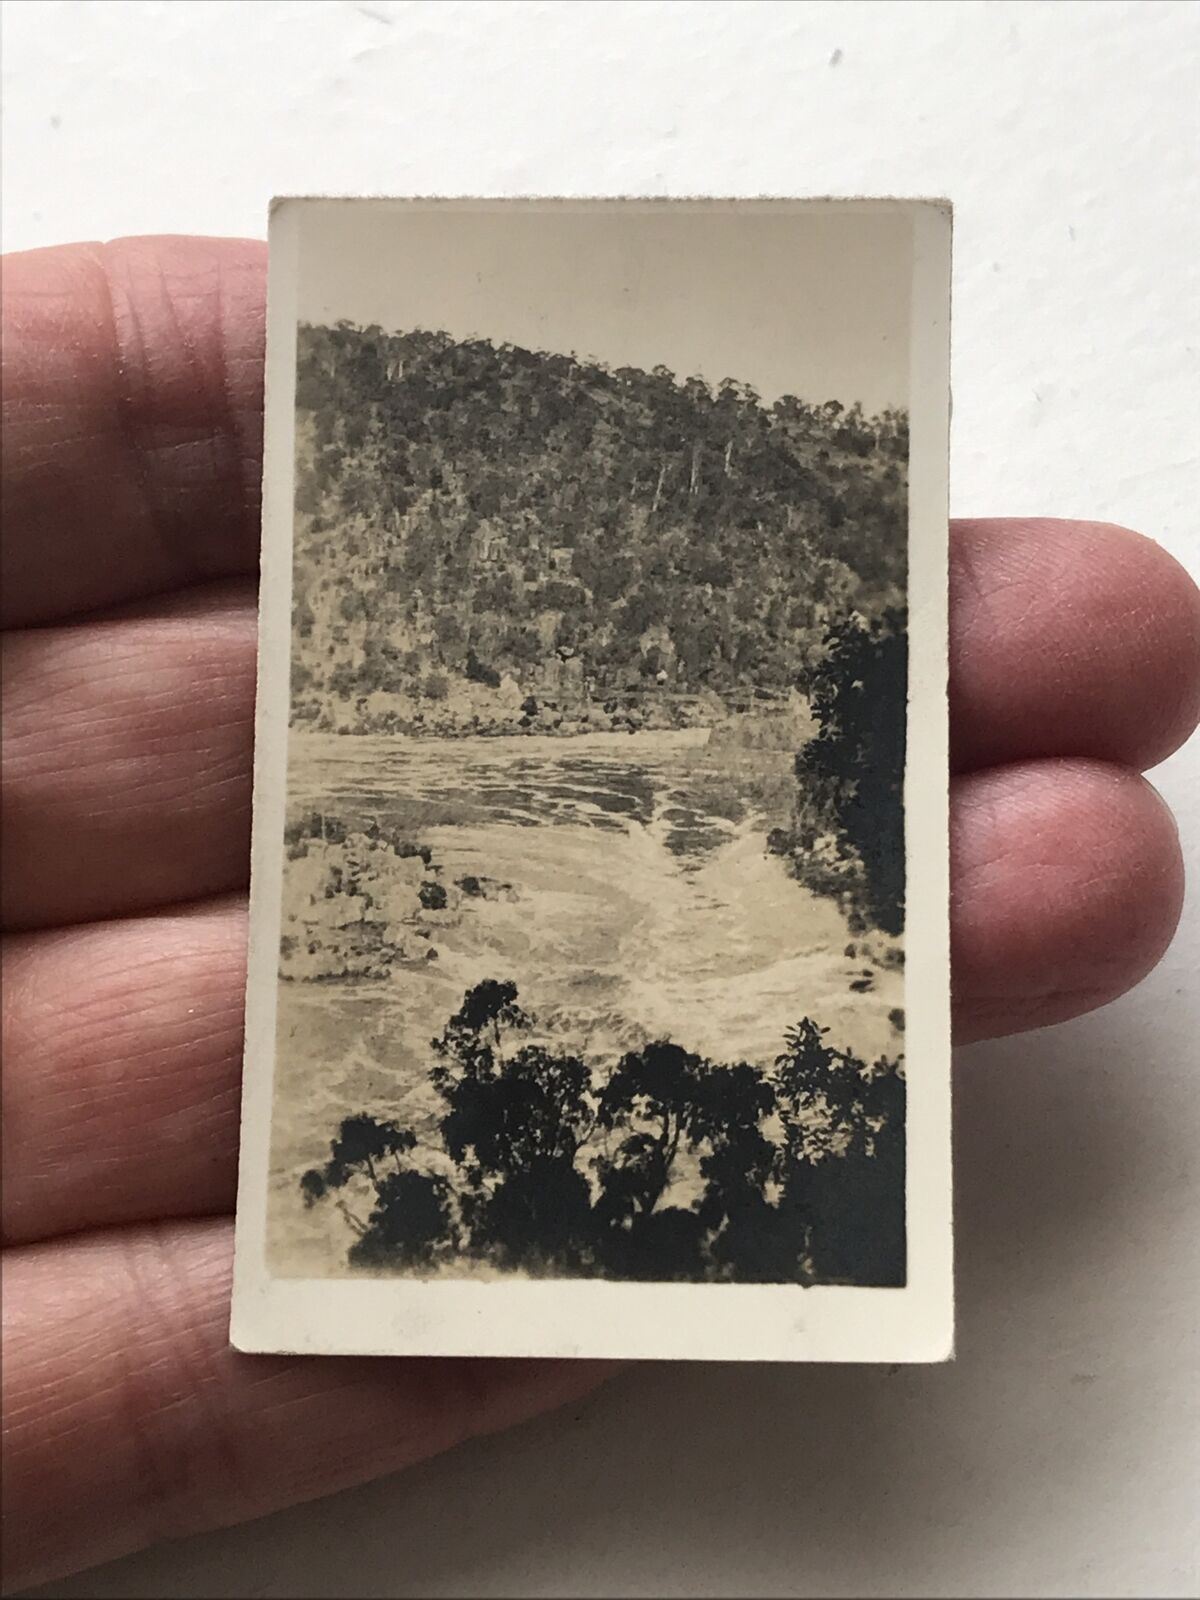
[{"x": 132, "y": 406}]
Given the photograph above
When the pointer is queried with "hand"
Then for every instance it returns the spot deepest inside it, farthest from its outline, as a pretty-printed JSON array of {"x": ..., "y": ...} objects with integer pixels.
[{"x": 133, "y": 415}]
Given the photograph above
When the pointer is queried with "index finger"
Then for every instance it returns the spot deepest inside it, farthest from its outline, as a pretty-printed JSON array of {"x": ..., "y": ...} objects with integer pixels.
[{"x": 132, "y": 403}]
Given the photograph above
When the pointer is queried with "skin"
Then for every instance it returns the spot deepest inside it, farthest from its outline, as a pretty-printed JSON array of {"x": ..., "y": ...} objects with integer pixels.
[{"x": 133, "y": 422}]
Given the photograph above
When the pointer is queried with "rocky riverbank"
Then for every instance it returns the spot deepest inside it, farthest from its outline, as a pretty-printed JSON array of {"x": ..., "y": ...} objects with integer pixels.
[
  {"x": 471, "y": 710},
  {"x": 360, "y": 902}
]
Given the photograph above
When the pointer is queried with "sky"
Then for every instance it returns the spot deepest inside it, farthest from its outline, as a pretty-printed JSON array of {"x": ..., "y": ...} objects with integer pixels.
[{"x": 812, "y": 301}]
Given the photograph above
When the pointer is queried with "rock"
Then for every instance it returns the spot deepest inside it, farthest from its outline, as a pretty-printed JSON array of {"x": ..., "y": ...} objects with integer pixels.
[{"x": 477, "y": 888}]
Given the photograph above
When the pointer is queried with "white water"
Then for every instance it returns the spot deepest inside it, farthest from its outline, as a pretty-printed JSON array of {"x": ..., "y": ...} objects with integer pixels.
[{"x": 646, "y": 906}]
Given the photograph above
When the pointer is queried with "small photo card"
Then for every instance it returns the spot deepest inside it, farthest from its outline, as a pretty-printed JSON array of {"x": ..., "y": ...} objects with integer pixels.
[{"x": 598, "y": 996}]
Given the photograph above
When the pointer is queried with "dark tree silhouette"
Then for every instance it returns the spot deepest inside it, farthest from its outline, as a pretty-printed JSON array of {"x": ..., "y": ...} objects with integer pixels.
[
  {"x": 820, "y": 1090},
  {"x": 470, "y": 1044},
  {"x": 410, "y": 1225},
  {"x": 658, "y": 1086},
  {"x": 842, "y": 1162},
  {"x": 363, "y": 1141},
  {"x": 859, "y": 1197},
  {"x": 537, "y": 1218},
  {"x": 361, "y": 1146},
  {"x": 671, "y": 1167},
  {"x": 526, "y": 1109},
  {"x": 515, "y": 1119},
  {"x": 850, "y": 778}
]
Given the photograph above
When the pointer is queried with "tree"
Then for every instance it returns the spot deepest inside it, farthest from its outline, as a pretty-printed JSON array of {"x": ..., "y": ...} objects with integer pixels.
[
  {"x": 788, "y": 1175},
  {"x": 360, "y": 1147},
  {"x": 751, "y": 1240},
  {"x": 851, "y": 776},
  {"x": 526, "y": 1109},
  {"x": 478, "y": 671},
  {"x": 730, "y": 1107},
  {"x": 410, "y": 1225},
  {"x": 859, "y": 1198},
  {"x": 474, "y": 486},
  {"x": 819, "y": 1091},
  {"x": 470, "y": 1044},
  {"x": 536, "y": 1219},
  {"x": 516, "y": 1115},
  {"x": 363, "y": 1141},
  {"x": 673, "y": 1100},
  {"x": 667, "y": 1096},
  {"x": 843, "y": 1162},
  {"x": 448, "y": 632},
  {"x": 654, "y": 1085},
  {"x": 659, "y": 1247}
]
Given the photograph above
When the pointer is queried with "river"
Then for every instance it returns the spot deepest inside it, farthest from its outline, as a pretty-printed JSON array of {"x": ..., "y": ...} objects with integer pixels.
[{"x": 644, "y": 905}]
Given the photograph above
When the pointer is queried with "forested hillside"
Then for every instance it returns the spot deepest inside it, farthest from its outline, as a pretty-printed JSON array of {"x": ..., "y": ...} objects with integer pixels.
[{"x": 490, "y": 538}]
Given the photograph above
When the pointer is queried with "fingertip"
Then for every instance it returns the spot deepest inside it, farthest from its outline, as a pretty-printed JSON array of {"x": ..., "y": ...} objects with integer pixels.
[
  {"x": 1170, "y": 599},
  {"x": 133, "y": 379},
  {"x": 1067, "y": 889},
  {"x": 1070, "y": 638}
]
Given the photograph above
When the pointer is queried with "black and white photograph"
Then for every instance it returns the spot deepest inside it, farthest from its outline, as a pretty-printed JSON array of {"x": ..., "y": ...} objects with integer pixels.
[{"x": 598, "y": 942}]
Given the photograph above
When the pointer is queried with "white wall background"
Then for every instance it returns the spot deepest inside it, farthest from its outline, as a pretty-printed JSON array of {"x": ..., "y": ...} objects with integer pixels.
[{"x": 1058, "y": 1456}]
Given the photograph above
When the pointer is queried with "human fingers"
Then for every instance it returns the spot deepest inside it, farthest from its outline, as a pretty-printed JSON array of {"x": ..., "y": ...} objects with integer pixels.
[
  {"x": 122, "y": 1055},
  {"x": 1069, "y": 639},
  {"x": 128, "y": 1418},
  {"x": 132, "y": 405},
  {"x": 122, "y": 1040},
  {"x": 1066, "y": 888},
  {"x": 128, "y": 745},
  {"x": 128, "y": 740}
]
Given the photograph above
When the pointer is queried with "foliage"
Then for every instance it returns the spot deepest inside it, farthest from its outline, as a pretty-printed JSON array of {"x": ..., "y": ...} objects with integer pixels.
[
  {"x": 410, "y": 1224},
  {"x": 847, "y": 836},
  {"x": 471, "y": 513},
  {"x": 665, "y": 1166}
]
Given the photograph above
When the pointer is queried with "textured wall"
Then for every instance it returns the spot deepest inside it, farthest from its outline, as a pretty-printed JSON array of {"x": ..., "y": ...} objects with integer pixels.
[{"x": 1058, "y": 1455}]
